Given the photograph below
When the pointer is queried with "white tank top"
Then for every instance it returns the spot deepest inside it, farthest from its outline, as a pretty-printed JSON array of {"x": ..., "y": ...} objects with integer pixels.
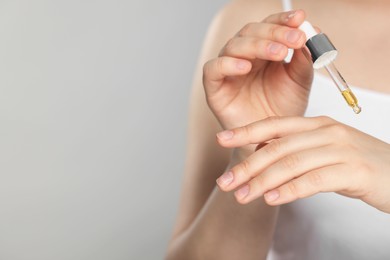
[{"x": 328, "y": 225}]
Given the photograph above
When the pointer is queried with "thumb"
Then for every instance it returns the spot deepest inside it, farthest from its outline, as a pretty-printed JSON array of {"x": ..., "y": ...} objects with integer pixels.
[{"x": 300, "y": 69}]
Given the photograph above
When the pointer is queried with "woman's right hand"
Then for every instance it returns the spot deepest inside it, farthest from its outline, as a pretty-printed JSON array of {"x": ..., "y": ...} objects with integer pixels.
[{"x": 249, "y": 80}]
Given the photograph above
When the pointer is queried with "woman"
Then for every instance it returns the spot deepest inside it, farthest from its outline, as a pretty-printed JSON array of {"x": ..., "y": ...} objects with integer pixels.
[{"x": 296, "y": 157}]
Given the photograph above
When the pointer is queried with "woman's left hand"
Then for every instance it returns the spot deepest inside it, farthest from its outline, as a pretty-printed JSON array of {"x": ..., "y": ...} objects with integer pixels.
[{"x": 299, "y": 157}]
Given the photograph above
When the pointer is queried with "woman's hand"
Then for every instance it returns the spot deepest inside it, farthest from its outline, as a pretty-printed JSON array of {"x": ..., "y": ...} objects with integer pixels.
[
  {"x": 299, "y": 157},
  {"x": 249, "y": 80}
]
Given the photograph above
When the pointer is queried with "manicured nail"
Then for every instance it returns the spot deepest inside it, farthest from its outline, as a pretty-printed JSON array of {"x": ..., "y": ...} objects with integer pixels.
[
  {"x": 293, "y": 36},
  {"x": 272, "y": 195},
  {"x": 225, "y": 179},
  {"x": 275, "y": 48},
  {"x": 243, "y": 192},
  {"x": 225, "y": 135},
  {"x": 290, "y": 15},
  {"x": 242, "y": 65}
]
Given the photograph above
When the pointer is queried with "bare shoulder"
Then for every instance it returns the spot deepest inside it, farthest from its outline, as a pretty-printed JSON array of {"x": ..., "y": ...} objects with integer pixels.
[
  {"x": 237, "y": 13},
  {"x": 252, "y": 10},
  {"x": 234, "y": 15}
]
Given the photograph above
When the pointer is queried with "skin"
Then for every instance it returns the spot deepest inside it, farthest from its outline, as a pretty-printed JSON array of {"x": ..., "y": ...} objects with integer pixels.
[
  {"x": 243, "y": 82},
  {"x": 306, "y": 156}
]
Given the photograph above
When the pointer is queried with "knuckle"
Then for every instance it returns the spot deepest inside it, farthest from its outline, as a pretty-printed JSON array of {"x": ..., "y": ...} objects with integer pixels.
[
  {"x": 268, "y": 18},
  {"x": 220, "y": 64},
  {"x": 245, "y": 30},
  {"x": 339, "y": 130},
  {"x": 273, "y": 32},
  {"x": 292, "y": 188},
  {"x": 364, "y": 170},
  {"x": 229, "y": 46},
  {"x": 291, "y": 162},
  {"x": 257, "y": 44},
  {"x": 245, "y": 168},
  {"x": 260, "y": 182},
  {"x": 247, "y": 130},
  {"x": 324, "y": 120},
  {"x": 316, "y": 180},
  {"x": 273, "y": 121}
]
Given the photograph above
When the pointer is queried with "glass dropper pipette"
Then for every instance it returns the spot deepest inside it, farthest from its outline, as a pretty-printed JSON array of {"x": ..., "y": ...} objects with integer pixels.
[
  {"x": 343, "y": 87},
  {"x": 323, "y": 53}
]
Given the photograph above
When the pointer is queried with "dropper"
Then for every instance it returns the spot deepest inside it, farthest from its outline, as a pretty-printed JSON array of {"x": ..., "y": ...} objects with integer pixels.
[{"x": 323, "y": 53}]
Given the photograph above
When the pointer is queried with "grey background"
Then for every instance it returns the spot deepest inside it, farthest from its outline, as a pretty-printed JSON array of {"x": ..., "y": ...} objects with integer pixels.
[{"x": 93, "y": 110}]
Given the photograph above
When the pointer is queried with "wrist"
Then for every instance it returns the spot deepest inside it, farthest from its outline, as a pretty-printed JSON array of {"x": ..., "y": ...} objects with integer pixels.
[{"x": 233, "y": 119}]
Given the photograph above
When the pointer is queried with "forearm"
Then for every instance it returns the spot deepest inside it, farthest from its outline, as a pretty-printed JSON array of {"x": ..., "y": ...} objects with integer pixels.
[{"x": 225, "y": 229}]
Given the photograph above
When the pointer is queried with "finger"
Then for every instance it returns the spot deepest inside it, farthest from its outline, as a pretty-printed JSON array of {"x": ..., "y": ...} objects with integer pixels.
[
  {"x": 300, "y": 69},
  {"x": 216, "y": 70},
  {"x": 254, "y": 48},
  {"x": 301, "y": 63},
  {"x": 270, "y": 128},
  {"x": 279, "y": 149},
  {"x": 292, "y": 18},
  {"x": 291, "y": 37},
  {"x": 327, "y": 179},
  {"x": 290, "y": 167}
]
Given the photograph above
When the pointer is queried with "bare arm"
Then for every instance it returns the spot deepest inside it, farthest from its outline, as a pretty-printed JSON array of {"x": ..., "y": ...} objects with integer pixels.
[{"x": 210, "y": 223}]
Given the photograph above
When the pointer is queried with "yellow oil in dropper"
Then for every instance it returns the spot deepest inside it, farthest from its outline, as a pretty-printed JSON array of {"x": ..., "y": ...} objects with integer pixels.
[
  {"x": 351, "y": 100},
  {"x": 342, "y": 85}
]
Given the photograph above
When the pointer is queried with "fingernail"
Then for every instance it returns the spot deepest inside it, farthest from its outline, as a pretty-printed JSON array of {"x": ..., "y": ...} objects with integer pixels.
[
  {"x": 243, "y": 192},
  {"x": 242, "y": 65},
  {"x": 225, "y": 135},
  {"x": 225, "y": 179},
  {"x": 272, "y": 195},
  {"x": 293, "y": 36},
  {"x": 275, "y": 48},
  {"x": 290, "y": 15}
]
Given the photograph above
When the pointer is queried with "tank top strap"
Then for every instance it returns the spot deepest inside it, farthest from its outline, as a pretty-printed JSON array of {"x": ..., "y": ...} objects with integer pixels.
[{"x": 287, "y": 5}]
